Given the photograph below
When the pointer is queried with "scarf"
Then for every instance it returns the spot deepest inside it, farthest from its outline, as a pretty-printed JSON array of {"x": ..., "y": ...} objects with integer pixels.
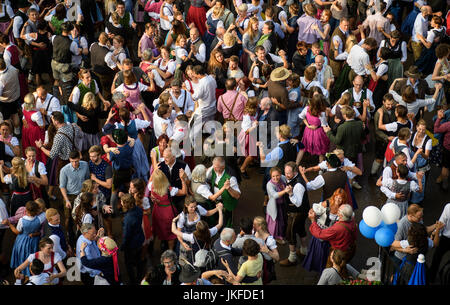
[
  {"x": 262, "y": 39},
  {"x": 8, "y": 139},
  {"x": 279, "y": 187},
  {"x": 102, "y": 246}
]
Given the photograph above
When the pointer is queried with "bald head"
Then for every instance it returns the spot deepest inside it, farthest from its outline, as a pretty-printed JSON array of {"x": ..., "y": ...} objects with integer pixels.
[{"x": 426, "y": 10}]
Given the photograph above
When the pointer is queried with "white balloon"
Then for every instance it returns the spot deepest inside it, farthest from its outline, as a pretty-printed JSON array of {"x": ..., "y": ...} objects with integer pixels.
[
  {"x": 372, "y": 216},
  {"x": 390, "y": 212}
]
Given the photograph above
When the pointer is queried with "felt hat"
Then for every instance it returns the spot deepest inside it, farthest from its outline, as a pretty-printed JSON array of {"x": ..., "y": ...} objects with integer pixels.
[
  {"x": 119, "y": 136},
  {"x": 280, "y": 74}
]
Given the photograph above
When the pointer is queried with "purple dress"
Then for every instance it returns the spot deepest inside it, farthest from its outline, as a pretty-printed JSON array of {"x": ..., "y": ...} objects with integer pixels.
[
  {"x": 277, "y": 227},
  {"x": 315, "y": 140}
]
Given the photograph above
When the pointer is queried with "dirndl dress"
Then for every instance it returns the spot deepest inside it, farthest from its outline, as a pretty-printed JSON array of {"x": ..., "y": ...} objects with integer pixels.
[
  {"x": 315, "y": 141},
  {"x": 316, "y": 258},
  {"x": 24, "y": 245},
  {"x": 162, "y": 215}
]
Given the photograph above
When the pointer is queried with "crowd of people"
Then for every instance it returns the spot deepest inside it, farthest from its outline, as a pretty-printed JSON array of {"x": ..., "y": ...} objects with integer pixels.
[{"x": 102, "y": 103}]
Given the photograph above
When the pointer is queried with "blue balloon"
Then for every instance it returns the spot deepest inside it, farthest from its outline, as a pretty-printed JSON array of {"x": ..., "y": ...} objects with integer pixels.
[
  {"x": 384, "y": 237},
  {"x": 393, "y": 227},
  {"x": 366, "y": 231}
]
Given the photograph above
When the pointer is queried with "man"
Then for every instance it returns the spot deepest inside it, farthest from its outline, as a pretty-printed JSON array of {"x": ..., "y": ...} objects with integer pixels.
[
  {"x": 268, "y": 38},
  {"x": 362, "y": 98},
  {"x": 349, "y": 134},
  {"x": 46, "y": 104},
  {"x": 171, "y": 168},
  {"x": 63, "y": 49},
  {"x": 337, "y": 46},
  {"x": 166, "y": 17},
  {"x": 196, "y": 48},
  {"x": 218, "y": 178},
  {"x": 19, "y": 21},
  {"x": 414, "y": 79},
  {"x": 313, "y": 53},
  {"x": 54, "y": 231},
  {"x": 420, "y": 27},
  {"x": 231, "y": 104},
  {"x": 377, "y": 23},
  {"x": 297, "y": 212},
  {"x": 269, "y": 14},
  {"x": 358, "y": 58},
  {"x": 90, "y": 18},
  {"x": 89, "y": 235},
  {"x": 223, "y": 247},
  {"x": 262, "y": 58},
  {"x": 10, "y": 94},
  {"x": 182, "y": 99},
  {"x": 129, "y": 26},
  {"x": 71, "y": 180},
  {"x": 382, "y": 137},
  {"x": 64, "y": 141},
  {"x": 206, "y": 92},
  {"x": 330, "y": 181},
  {"x": 101, "y": 171},
  {"x": 279, "y": 94},
  {"x": 341, "y": 235},
  {"x": 127, "y": 65},
  {"x": 100, "y": 66},
  {"x": 147, "y": 40},
  {"x": 227, "y": 17},
  {"x": 324, "y": 74},
  {"x": 305, "y": 23},
  {"x": 246, "y": 232},
  {"x": 280, "y": 11}
]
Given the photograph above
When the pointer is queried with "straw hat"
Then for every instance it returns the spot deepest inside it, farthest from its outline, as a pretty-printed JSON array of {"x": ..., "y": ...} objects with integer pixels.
[
  {"x": 279, "y": 74},
  {"x": 413, "y": 72}
]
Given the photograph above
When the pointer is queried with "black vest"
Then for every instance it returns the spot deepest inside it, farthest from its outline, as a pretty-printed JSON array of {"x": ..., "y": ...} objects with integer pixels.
[
  {"x": 304, "y": 208},
  {"x": 387, "y": 119},
  {"x": 98, "y": 63},
  {"x": 3, "y": 155},
  {"x": 116, "y": 31},
  {"x": 260, "y": 64},
  {"x": 174, "y": 180},
  {"x": 50, "y": 230},
  {"x": 23, "y": 16},
  {"x": 289, "y": 154},
  {"x": 395, "y": 51},
  {"x": 276, "y": 11},
  {"x": 333, "y": 180},
  {"x": 61, "y": 49}
]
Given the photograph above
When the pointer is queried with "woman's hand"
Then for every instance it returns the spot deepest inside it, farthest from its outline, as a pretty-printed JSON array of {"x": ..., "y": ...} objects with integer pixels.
[
  {"x": 83, "y": 246},
  {"x": 17, "y": 273}
]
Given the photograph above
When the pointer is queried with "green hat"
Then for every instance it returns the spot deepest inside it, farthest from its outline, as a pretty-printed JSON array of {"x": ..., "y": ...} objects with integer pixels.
[
  {"x": 333, "y": 160},
  {"x": 119, "y": 136}
]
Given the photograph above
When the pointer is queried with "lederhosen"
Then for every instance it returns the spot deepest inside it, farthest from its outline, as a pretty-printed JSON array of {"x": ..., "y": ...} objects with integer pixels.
[
  {"x": 231, "y": 117},
  {"x": 296, "y": 215}
]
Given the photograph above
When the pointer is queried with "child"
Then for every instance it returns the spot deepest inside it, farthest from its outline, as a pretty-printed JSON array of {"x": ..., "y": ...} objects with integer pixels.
[
  {"x": 401, "y": 187},
  {"x": 401, "y": 143},
  {"x": 38, "y": 277},
  {"x": 247, "y": 140},
  {"x": 28, "y": 234},
  {"x": 401, "y": 113}
]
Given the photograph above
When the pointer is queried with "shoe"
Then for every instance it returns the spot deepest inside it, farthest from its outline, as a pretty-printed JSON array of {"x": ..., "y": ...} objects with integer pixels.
[
  {"x": 287, "y": 263},
  {"x": 245, "y": 175},
  {"x": 299, "y": 254},
  {"x": 356, "y": 185}
]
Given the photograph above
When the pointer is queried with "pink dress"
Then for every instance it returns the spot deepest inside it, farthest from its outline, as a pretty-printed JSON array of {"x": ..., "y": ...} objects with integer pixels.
[
  {"x": 315, "y": 140},
  {"x": 134, "y": 99},
  {"x": 247, "y": 141},
  {"x": 31, "y": 134}
]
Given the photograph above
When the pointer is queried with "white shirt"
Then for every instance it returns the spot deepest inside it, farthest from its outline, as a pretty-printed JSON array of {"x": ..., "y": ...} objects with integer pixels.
[
  {"x": 313, "y": 83},
  {"x": 405, "y": 150},
  {"x": 76, "y": 93},
  {"x": 233, "y": 181},
  {"x": 40, "y": 279},
  {"x": 387, "y": 187},
  {"x": 275, "y": 58},
  {"x": 357, "y": 97},
  {"x": 413, "y": 107},
  {"x": 35, "y": 117},
  {"x": 322, "y": 116},
  {"x": 186, "y": 98},
  {"x": 56, "y": 259},
  {"x": 173, "y": 190},
  {"x": 181, "y": 221},
  {"x": 358, "y": 59},
  {"x": 158, "y": 123},
  {"x": 111, "y": 59},
  {"x": 204, "y": 191},
  {"x": 19, "y": 226},
  {"x": 168, "y": 12},
  {"x": 179, "y": 134},
  {"x": 190, "y": 236},
  {"x": 57, "y": 245},
  {"x": 201, "y": 52},
  {"x": 333, "y": 112},
  {"x": 41, "y": 168},
  {"x": 323, "y": 166},
  {"x": 403, "y": 47},
  {"x": 205, "y": 93},
  {"x": 3, "y": 214},
  {"x": 277, "y": 28},
  {"x": 51, "y": 104},
  {"x": 445, "y": 219},
  {"x": 392, "y": 127},
  {"x": 297, "y": 194},
  {"x": 387, "y": 174},
  {"x": 76, "y": 59},
  {"x": 318, "y": 182},
  {"x": 420, "y": 27}
]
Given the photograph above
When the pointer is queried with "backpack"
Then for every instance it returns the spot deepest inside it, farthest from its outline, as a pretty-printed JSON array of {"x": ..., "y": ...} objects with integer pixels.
[{"x": 207, "y": 259}]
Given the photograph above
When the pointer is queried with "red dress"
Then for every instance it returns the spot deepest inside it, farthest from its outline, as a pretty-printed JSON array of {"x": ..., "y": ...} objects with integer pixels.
[
  {"x": 197, "y": 15},
  {"x": 32, "y": 133},
  {"x": 162, "y": 215},
  {"x": 106, "y": 140}
]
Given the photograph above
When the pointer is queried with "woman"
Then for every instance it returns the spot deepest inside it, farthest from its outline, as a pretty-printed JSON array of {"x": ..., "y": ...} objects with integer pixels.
[
  {"x": 133, "y": 238},
  {"x": 33, "y": 126},
  {"x": 197, "y": 14},
  {"x": 107, "y": 263},
  {"x": 217, "y": 67},
  {"x": 443, "y": 128},
  {"x": 56, "y": 19},
  {"x": 163, "y": 210},
  {"x": 400, "y": 143},
  {"x": 200, "y": 238},
  {"x": 435, "y": 36},
  {"x": 379, "y": 77},
  {"x": 409, "y": 99},
  {"x": 163, "y": 69},
  {"x": 49, "y": 258},
  {"x": 242, "y": 19},
  {"x": 178, "y": 28},
  {"x": 82, "y": 43},
  {"x": 85, "y": 212},
  {"x": 268, "y": 250},
  {"x": 9, "y": 140},
  {"x": 247, "y": 136},
  {"x": 338, "y": 272},
  {"x": 299, "y": 58},
  {"x": 231, "y": 45},
  {"x": 314, "y": 138},
  {"x": 102, "y": 210},
  {"x": 156, "y": 154},
  {"x": 292, "y": 29},
  {"x": 89, "y": 113},
  {"x": 441, "y": 72},
  {"x": 37, "y": 174},
  {"x": 28, "y": 231},
  {"x": 52, "y": 164},
  {"x": 397, "y": 55},
  {"x": 41, "y": 54},
  {"x": 327, "y": 213},
  {"x": 137, "y": 189},
  {"x": 21, "y": 188},
  {"x": 421, "y": 140},
  {"x": 325, "y": 34},
  {"x": 86, "y": 84},
  {"x": 212, "y": 23},
  {"x": 307, "y": 82},
  {"x": 252, "y": 267},
  {"x": 192, "y": 213},
  {"x": 6, "y": 18},
  {"x": 249, "y": 40},
  {"x": 417, "y": 238},
  {"x": 191, "y": 81},
  {"x": 276, "y": 207}
]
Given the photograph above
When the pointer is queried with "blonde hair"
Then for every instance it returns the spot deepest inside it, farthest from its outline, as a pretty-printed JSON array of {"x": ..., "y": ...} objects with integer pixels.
[
  {"x": 181, "y": 36},
  {"x": 51, "y": 212},
  {"x": 217, "y": 11},
  {"x": 19, "y": 170},
  {"x": 87, "y": 186},
  {"x": 229, "y": 39},
  {"x": 284, "y": 131},
  {"x": 41, "y": 204},
  {"x": 261, "y": 222},
  {"x": 250, "y": 31},
  {"x": 350, "y": 42},
  {"x": 29, "y": 102},
  {"x": 338, "y": 151},
  {"x": 160, "y": 182},
  {"x": 345, "y": 99},
  {"x": 89, "y": 101}
]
